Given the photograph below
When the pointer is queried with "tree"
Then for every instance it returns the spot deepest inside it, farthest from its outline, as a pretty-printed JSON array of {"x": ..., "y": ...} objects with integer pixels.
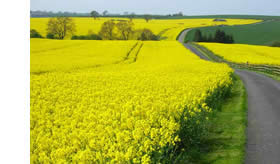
[
  {"x": 125, "y": 28},
  {"x": 107, "y": 30},
  {"x": 198, "y": 36},
  {"x": 94, "y": 14},
  {"x": 131, "y": 16},
  {"x": 147, "y": 34},
  {"x": 35, "y": 34},
  {"x": 105, "y": 13},
  {"x": 147, "y": 17},
  {"x": 60, "y": 27},
  {"x": 222, "y": 37}
]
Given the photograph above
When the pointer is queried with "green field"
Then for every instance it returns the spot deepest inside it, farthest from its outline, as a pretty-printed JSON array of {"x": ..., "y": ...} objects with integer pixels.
[
  {"x": 258, "y": 34},
  {"x": 262, "y": 17}
]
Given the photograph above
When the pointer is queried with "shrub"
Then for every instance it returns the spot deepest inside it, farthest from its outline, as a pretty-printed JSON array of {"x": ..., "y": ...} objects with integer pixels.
[
  {"x": 86, "y": 37},
  {"x": 147, "y": 34},
  {"x": 275, "y": 44},
  {"x": 35, "y": 34},
  {"x": 50, "y": 36}
]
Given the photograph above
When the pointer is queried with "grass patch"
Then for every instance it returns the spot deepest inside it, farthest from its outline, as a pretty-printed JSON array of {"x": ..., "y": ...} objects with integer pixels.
[
  {"x": 225, "y": 143},
  {"x": 257, "y": 34}
]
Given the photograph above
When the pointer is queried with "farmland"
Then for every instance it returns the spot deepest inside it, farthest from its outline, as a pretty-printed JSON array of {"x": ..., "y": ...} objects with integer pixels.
[
  {"x": 240, "y": 53},
  {"x": 129, "y": 108},
  {"x": 168, "y": 29},
  {"x": 132, "y": 101},
  {"x": 61, "y": 55},
  {"x": 257, "y": 34}
]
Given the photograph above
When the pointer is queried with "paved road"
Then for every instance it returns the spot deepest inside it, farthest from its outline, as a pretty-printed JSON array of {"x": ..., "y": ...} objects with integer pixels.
[
  {"x": 263, "y": 131},
  {"x": 182, "y": 35},
  {"x": 195, "y": 51}
]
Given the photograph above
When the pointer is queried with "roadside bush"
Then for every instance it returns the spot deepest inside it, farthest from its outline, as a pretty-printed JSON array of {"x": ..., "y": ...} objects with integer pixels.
[
  {"x": 35, "y": 34},
  {"x": 275, "y": 44}
]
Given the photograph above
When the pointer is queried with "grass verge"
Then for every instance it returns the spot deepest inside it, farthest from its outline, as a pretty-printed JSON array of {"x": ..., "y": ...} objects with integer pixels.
[
  {"x": 226, "y": 141},
  {"x": 269, "y": 75}
]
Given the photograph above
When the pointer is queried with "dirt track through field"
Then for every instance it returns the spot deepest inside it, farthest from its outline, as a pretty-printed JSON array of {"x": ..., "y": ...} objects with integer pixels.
[{"x": 263, "y": 131}]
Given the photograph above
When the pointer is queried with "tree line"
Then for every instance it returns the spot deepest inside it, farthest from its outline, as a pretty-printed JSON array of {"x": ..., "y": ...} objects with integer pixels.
[
  {"x": 60, "y": 27},
  {"x": 219, "y": 37},
  {"x": 97, "y": 14}
]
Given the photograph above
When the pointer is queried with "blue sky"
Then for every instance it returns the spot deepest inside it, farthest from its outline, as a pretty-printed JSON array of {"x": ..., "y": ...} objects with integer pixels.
[{"x": 188, "y": 7}]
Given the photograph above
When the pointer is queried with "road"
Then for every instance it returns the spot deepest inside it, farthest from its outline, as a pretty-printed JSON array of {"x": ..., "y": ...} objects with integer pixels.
[{"x": 263, "y": 130}]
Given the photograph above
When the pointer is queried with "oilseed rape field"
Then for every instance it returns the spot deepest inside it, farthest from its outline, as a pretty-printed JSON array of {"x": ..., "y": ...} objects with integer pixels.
[
  {"x": 61, "y": 55},
  {"x": 168, "y": 29},
  {"x": 241, "y": 53},
  {"x": 117, "y": 101}
]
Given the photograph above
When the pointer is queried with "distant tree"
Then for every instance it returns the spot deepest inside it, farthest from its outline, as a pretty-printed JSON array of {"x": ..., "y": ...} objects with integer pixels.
[
  {"x": 94, "y": 14},
  {"x": 209, "y": 38},
  {"x": 35, "y": 34},
  {"x": 222, "y": 37},
  {"x": 131, "y": 16},
  {"x": 105, "y": 13},
  {"x": 219, "y": 36},
  {"x": 147, "y": 34},
  {"x": 107, "y": 30},
  {"x": 198, "y": 36},
  {"x": 125, "y": 28},
  {"x": 178, "y": 14},
  {"x": 61, "y": 26},
  {"x": 147, "y": 17}
]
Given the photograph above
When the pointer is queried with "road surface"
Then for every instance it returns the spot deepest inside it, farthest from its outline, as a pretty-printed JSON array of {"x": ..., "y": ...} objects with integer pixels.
[{"x": 263, "y": 131}]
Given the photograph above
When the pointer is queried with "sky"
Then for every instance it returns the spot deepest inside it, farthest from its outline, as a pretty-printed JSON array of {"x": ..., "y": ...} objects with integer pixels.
[{"x": 188, "y": 7}]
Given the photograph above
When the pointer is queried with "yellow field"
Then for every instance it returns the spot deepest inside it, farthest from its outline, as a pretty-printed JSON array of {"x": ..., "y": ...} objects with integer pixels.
[
  {"x": 61, "y": 55},
  {"x": 120, "y": 111},
  {"x": 169, "y": 29},
  {"x": 241, "y": 53}
]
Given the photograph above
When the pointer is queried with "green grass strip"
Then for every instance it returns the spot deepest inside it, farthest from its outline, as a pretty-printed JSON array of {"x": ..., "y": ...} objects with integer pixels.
[{"x": 227, "y": 138}]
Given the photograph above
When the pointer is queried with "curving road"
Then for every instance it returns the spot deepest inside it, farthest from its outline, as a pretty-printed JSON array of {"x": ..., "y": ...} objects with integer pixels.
[{"x": 263, "y": 131}]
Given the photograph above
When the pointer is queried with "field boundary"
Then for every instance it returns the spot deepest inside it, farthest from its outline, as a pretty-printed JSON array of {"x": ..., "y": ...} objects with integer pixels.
[{"x": 269, "y": 69}]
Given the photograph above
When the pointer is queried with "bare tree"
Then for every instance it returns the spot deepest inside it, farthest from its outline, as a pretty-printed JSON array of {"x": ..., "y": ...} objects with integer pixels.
[
  {"x": 94, "y": 14},
  {"x": 61, "y": 26},
  {"x": 125, "y": 28},
  {"x": 147, "y": 17},
  {"x": 107, "y": 30}
]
